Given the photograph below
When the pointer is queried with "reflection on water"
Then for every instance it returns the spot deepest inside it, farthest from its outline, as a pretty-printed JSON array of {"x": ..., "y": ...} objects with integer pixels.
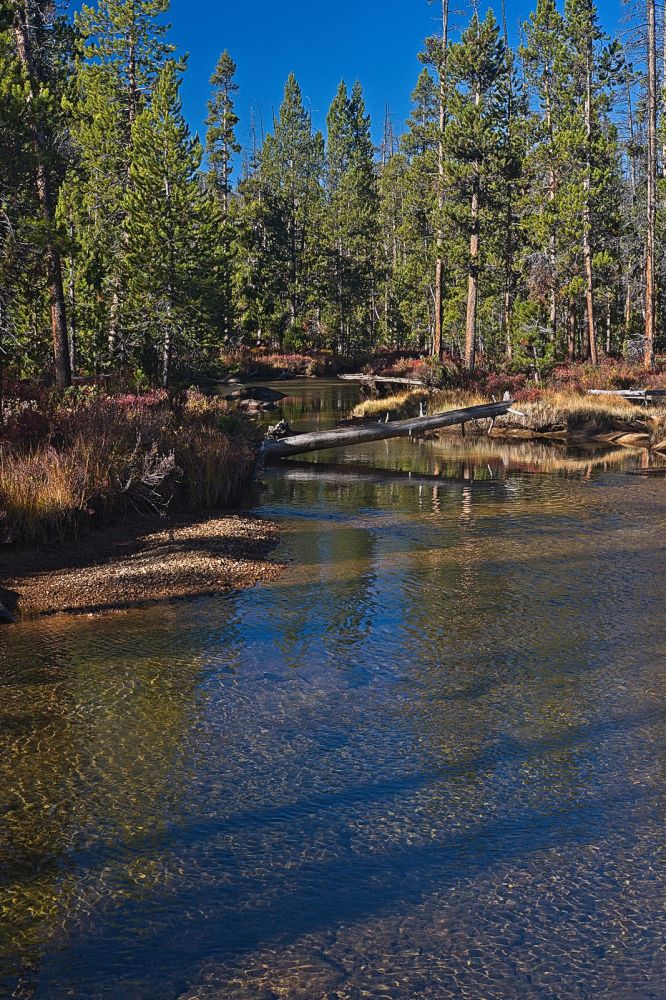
[{"x": 429, "y": 761}]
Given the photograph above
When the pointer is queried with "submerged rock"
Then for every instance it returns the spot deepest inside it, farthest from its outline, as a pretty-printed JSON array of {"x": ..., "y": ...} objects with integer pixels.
[
  {"x": 6, "y": 617},
  {"x": 256, "y": 393}
]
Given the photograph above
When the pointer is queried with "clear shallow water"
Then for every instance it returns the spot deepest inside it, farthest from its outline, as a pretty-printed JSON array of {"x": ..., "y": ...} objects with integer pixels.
[{"x": 429, "y": 761}]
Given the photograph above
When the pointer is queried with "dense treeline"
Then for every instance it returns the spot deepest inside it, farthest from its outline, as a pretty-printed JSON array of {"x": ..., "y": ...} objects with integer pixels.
[{"x": 517, "y": 217}]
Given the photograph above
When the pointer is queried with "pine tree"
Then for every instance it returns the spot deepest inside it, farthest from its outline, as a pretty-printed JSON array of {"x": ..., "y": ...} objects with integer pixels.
[
  {"x": 544, "y": 59},
  {"x": 513, "y": 207},
  {"x": 476, "y": 66},
  {"x": 351, "y": 219},
  {"x": 291, "y": 166},
  {"x": 651, "y": 176},
  {"x": 583, "y": 32},
  {"x": 416, "y": 169},
  {"x": 37, "y": 37},
  {"x": 128, "y": 37},
  {"x": 92, "y": 207},
  {"x": 437, "y": 54},
  {"x": 507, "y": 192},
  {"x": 221, "y": 145},
  {"x": 393, "y": 330},
  {"x": 171, "y": 225},
  {"x": 124, "y": 51},
  {"x": 17, "y": 194}
]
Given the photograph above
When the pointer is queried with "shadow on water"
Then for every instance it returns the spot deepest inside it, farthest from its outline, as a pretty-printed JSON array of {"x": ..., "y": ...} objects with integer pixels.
[{"x": 349, "y": 890}]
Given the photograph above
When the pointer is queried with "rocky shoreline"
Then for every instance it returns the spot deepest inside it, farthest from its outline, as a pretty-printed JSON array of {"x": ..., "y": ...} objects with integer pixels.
[{"x": 132, "y": 565}]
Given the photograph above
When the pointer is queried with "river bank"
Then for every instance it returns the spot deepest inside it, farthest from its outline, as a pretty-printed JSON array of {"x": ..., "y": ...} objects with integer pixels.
[
  {"x": 91, "y": 535},
  {"x": 110, "y": 501},
  {"x": 79, "y": 463},
  {"x": 131, "y": 565},
  {"x": 565, "y": 415}
]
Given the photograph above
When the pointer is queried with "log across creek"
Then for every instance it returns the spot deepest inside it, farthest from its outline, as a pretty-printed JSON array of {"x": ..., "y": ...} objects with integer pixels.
[{"x": 298, "y": 444}]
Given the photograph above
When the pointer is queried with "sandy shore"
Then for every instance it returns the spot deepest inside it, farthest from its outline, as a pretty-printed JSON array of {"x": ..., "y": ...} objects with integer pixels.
[{"x": 130, "y": 565}]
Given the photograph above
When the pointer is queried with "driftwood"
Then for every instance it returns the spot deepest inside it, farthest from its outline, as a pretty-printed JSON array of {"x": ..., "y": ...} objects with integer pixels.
[
  {"x": 398, "y": 380},
  {"x": 342, "y": 436},
  {"x": 642, "y": 395}
]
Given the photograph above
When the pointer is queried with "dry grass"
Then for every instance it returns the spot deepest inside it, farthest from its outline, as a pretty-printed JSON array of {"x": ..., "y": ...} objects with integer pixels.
[
  {"x": 572, "y": 412},
  {"x": 402, "y": 404},
  {"x": 577, "y": 413},
  {"x": 39, "y": 488},
  {"x": 89, "y": 462},
  {"x": 407, "y": 404}
]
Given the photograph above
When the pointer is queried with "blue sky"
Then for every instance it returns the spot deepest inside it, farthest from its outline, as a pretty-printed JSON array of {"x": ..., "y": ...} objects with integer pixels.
[{"x": 376, "y": 42}]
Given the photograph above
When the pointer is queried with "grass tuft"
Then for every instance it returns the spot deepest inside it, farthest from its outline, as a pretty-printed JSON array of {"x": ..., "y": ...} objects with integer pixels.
[
  {"x": 68, "y": 465},
  {"x": 569, "y": 410}
]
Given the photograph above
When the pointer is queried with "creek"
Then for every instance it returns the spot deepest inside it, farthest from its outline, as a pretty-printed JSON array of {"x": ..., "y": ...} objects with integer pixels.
[{"x": 429, "y": 761}]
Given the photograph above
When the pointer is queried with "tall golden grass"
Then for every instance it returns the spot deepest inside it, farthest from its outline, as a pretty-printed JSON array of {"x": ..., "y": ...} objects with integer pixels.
[
  {"x": 572, "y": 411},
  {"x": 408, "y": 404},
  {"x": 103, "y": 458}
]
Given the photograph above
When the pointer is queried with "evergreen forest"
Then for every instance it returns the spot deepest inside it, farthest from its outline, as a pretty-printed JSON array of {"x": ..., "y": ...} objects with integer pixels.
[{"x": 516, "y": 218}]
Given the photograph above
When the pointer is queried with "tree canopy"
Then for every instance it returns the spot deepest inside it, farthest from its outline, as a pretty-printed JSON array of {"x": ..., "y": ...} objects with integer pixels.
[{"x": 517, "y": 217}]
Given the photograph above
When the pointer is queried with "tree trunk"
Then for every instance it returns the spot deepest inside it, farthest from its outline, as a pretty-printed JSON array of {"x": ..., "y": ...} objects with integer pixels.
[
  {"x": 2, "y": 355},
  {"x": 167, "y": 346},
  {"x": 438, "y": 344},
  {"x": 63, "y": 371},
  {"x": 507, "y": 299},
  {"x": 552, "y": 240},
  {"x": 133, "y": 94},
  {"x": 630, "y": 129},
  {"x": 571, "y": 331},
  {"x": 71, "y": 315},
  {"x": 225, "y": 154},
  {"x": 299, "y": 444},
  {"x": 294, "y": 265},
  {"x": 473, "y": 279},
  {"x": 437, "y": 348},
  {"x": 651, "y": 169},
  {"x": 587, "y": 213},
  {"x": 663, "y": 87},
  {"x": 507, "y": 319},
  {"x": 627, "y": 310}
]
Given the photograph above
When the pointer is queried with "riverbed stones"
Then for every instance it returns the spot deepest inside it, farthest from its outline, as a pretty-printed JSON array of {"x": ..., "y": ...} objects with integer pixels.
[{"x": 112, "y": 571}]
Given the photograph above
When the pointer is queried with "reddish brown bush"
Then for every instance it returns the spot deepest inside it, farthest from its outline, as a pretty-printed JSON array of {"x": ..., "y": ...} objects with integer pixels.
[{"x": 85, "y": 461}]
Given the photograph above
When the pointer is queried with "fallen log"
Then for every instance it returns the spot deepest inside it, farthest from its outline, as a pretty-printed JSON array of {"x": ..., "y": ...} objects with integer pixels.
[
  {"x": 298, "y": 444},
  {"x": 640, "y": 394},
  {"x": 398, "y": 380}
]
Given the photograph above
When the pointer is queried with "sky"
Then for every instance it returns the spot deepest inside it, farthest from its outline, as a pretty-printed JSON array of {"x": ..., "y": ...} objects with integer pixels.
[{"x": 375, "y": 42}]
